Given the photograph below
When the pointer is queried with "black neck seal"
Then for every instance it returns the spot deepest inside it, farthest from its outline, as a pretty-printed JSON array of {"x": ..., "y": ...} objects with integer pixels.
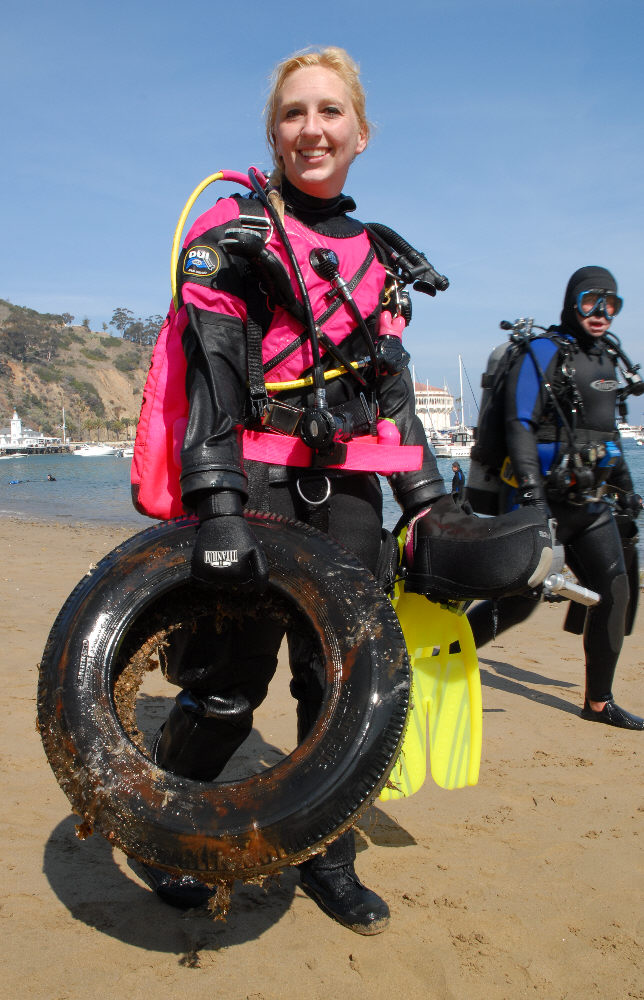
[{"x": 311, "y": 210}]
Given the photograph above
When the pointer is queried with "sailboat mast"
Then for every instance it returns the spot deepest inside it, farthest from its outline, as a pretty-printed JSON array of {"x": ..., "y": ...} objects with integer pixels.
[{"x": 460, "y": 373}]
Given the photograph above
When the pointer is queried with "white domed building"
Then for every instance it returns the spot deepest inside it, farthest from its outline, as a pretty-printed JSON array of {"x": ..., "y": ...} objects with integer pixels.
[
  {"x": 17, "y": 438},
  {"x": 434, "y": 406}
]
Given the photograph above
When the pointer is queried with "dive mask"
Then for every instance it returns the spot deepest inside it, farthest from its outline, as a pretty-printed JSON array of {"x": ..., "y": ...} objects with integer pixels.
[{"x": 598, "y": 301}]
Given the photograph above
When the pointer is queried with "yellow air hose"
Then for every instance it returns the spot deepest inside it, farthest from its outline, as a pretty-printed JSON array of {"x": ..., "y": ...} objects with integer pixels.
[{"x": 176, "y": 242}]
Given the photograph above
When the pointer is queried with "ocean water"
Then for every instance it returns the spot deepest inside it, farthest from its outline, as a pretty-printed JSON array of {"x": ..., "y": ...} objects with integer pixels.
[
  {"x": 98, "y": 489},
  {"x": 86, "y": 489}
]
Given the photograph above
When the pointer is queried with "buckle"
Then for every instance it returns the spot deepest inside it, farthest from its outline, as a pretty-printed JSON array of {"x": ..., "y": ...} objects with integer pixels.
[
  {"x": 281, "y": 417},
  {"x": 258, "y": 406},
  {"x": 257, "y": 222}
]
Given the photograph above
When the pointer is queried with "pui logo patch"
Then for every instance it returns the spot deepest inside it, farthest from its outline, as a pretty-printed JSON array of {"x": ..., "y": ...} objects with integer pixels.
[{"x": 201, "y": 261}]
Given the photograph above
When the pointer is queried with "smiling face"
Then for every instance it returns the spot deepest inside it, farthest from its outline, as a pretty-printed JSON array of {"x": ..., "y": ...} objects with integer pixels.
[{"x": 317, "y": 134}]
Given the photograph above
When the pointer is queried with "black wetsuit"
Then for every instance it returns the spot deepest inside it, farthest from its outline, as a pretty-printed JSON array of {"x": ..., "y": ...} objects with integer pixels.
[{"x": 587, "y": 530}]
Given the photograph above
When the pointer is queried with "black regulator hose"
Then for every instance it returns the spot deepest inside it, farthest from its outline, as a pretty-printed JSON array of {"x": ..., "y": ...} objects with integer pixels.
[
  {"x": 318, "y": 371},
  {"x": 413, "y": 265},
  {"x": 630, "y": 372}
]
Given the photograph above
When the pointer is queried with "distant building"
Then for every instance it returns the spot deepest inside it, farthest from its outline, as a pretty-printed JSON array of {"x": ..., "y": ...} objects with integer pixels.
[
  {"x": 434, "y": 407},
  {"x": 15, "y": 438}
]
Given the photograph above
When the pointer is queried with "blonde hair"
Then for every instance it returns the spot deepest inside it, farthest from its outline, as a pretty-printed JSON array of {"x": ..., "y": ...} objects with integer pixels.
[{"x": 332, "y": 58}]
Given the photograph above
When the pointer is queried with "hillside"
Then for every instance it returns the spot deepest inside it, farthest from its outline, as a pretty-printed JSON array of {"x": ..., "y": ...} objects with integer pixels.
[{"x": 46, "y": 365}]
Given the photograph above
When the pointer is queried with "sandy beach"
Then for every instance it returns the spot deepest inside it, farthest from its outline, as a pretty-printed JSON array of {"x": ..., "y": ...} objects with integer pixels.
[{"x": 528, "y": 885}]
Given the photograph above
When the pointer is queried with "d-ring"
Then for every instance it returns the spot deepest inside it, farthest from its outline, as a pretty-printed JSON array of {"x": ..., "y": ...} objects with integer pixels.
[{"x": 314, "y": 503}]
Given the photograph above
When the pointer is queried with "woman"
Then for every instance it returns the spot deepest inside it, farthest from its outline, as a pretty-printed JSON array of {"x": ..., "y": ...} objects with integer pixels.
[
  {"x": 566, "y": 479},
  {"x": 316, "y": 126}
]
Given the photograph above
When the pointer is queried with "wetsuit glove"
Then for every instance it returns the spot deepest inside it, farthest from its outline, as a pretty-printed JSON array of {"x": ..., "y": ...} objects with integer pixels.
[
  {"x": 226, "y": 551},
  {"x": 531, "y": 494}
]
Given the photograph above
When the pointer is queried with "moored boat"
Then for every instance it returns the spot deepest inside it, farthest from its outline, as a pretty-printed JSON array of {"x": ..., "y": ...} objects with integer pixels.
[
  {"x": 629, "y": 432},
  {"x": 88, "y": 450},
  {"x": 459, "y": 445},
  {"x": 460, "y": 439}
]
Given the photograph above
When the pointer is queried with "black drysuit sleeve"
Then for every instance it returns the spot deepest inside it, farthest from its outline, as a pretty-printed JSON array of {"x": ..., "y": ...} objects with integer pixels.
[
  {"x": 211, "y": 457},
  {"x": 214, "y": 345}
]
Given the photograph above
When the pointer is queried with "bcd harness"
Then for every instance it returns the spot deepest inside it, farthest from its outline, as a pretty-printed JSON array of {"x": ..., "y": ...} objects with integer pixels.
[{"x": 276, "y": 431}]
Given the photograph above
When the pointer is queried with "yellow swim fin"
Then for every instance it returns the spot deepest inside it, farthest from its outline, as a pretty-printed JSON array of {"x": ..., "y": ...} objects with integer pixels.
[{"x": 445, "y": 694}]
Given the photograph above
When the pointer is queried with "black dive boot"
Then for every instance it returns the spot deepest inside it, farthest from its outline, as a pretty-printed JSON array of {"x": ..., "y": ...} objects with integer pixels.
[
  {"x": 455, "y": 556},
  {"x": 197, "y": 740},
  {"x": 330, "y": 880},
  {"x": 612, "y": 715},
  {"x": 184, "y": 892}
]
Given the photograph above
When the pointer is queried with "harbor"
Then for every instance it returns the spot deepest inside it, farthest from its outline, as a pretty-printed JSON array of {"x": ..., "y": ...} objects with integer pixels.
[
  {"x": 17, "y": 441},
  {"x": 97, "y": 489}
]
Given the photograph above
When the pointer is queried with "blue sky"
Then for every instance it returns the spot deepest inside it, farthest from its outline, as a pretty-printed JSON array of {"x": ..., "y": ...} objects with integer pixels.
[{"x": 508, "y": 146}]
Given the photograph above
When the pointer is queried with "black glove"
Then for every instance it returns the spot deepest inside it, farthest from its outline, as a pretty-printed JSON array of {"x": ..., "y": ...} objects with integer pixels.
[
  {"x": 531, "y": 494},
  {"x": 226, "y": 551},
  {"x": 629, "y": 503},
  {"x": 392, "y": 356}
]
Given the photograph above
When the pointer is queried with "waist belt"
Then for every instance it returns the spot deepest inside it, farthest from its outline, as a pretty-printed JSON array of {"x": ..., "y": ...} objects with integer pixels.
[
  {"x": 549, "y": 435},
  {"x": 362, "y": 454}
]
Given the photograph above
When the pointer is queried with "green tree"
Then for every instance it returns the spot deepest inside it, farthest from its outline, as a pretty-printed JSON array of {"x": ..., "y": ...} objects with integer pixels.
[
  {"x": 116, "y": 428},
  {"x": 26, "y": 336},
  {"x": 134, "y": 332},
  {"x": 151, "y": 328},
  {"x": 121, "y": 318},
  {"x": 92, "y": 424}
]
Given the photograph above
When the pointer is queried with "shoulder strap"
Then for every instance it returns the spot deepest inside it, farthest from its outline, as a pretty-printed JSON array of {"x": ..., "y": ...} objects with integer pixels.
[
  {"x": 255, "y": 300},
  {"x": 548, "y": 386},
  {"x": 251, "y": 212},
  {"x": 252, "y": 218}
]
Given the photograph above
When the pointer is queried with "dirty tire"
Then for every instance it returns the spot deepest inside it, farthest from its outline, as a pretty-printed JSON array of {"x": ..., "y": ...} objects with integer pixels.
[{"x": 267, "y": 821}]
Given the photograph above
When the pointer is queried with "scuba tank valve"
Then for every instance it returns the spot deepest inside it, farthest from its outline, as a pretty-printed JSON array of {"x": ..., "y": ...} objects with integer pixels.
[{"x": 556, "y": 584}]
